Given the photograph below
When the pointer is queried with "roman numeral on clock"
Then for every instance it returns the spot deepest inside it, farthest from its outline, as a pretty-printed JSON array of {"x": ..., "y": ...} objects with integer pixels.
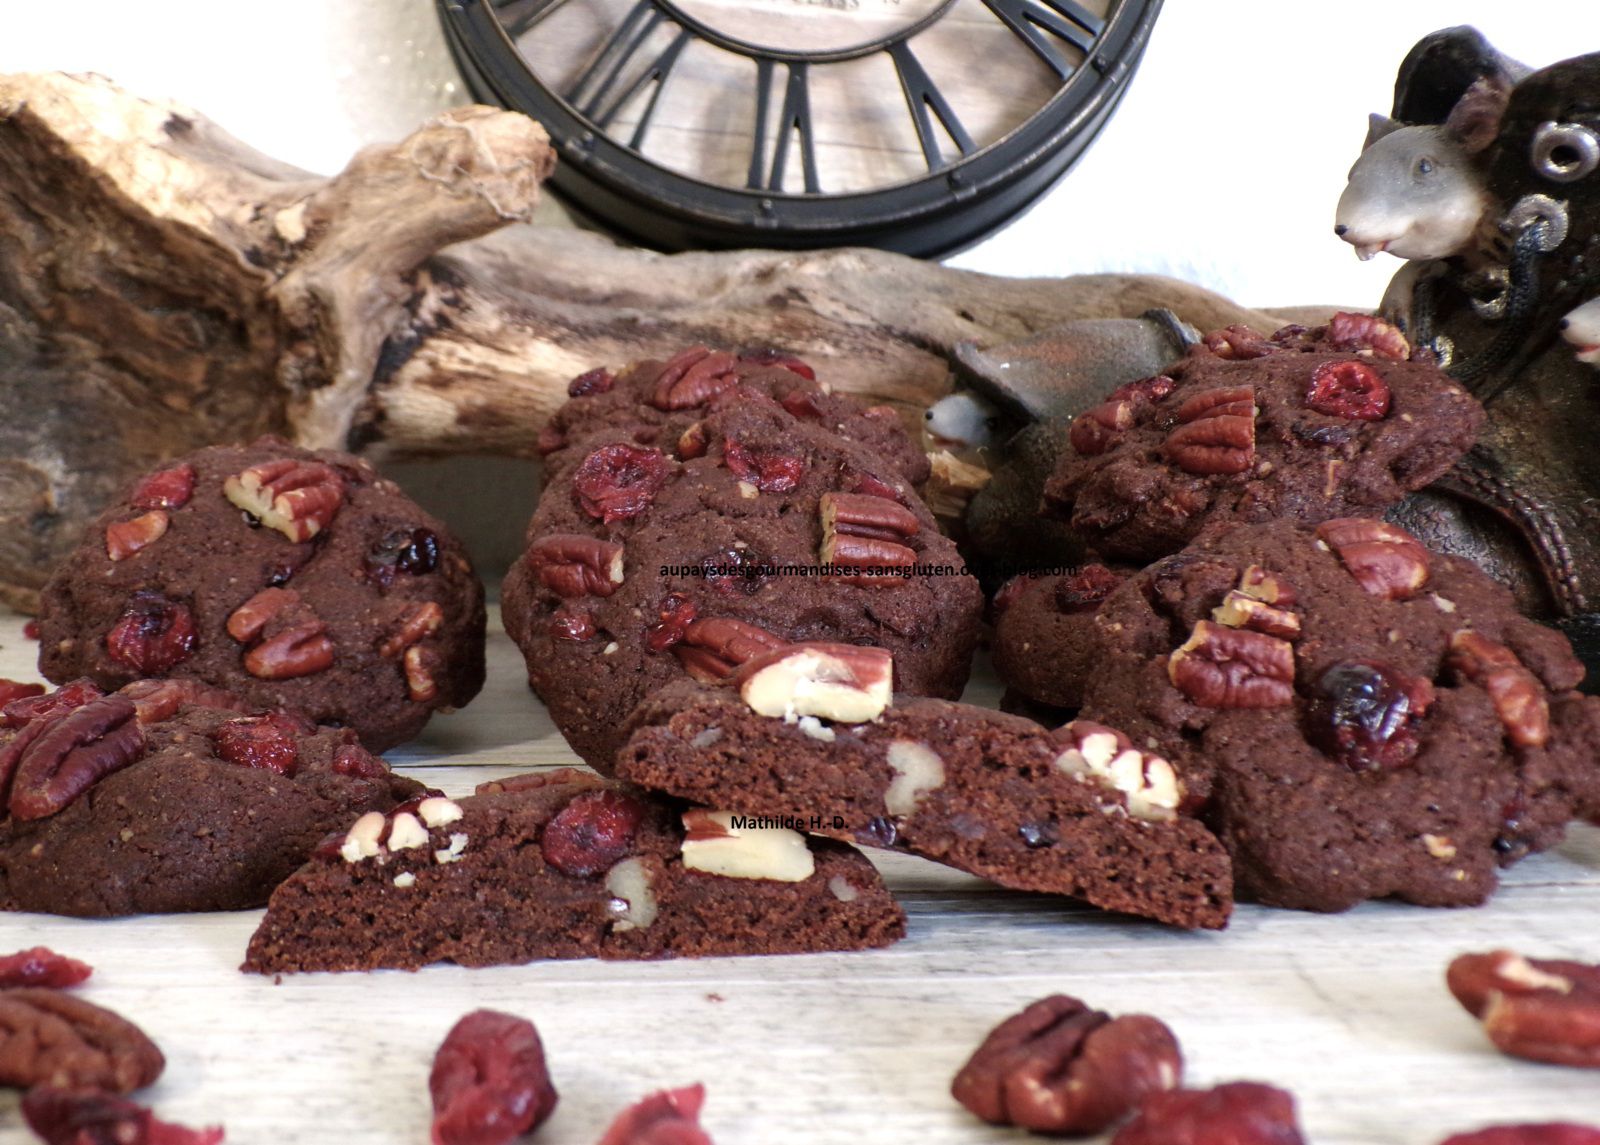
[
  {"x": 601, "y": 91},
  {"x": 768, "y": 162},
  {"x": 922, "y": 96},
  {"x": 1030, "y": 20}
]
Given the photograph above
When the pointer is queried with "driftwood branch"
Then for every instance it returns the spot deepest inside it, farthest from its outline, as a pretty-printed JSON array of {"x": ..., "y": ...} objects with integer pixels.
[{"x": 163, "y": 286}]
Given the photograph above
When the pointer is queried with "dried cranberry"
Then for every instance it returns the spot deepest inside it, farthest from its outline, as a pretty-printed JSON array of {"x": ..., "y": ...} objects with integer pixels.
[
  {"x": 1085, "y": 589},
  {"x": 677, "y": 612},
  {"x": 735, "y": 571},
  {"x": 596, "y": 381},
  {"x": 1549, "y": 1133},
  {"x": 42, "y": 966},
  {"x": 153, "y": 634},
  {"x": 1150, "y": 389},
  {"x": 90, "y": 1117},
  {"x": 671, "y": 1117},
  {"x": 20, "y": 713},
  {"x": 30, "y": 630},
  {"x": 619, "y": 481},
  {"x": 590, "y": 834},
  {"x": 1348, "y": 389},
  {"x": 878, "y": 832},
  {"x": 489, "y": 1083},
  {"x": 1035, "y": 835},
  {"x": 1011, "y": 592},
  {"x": 414, "y": 552},
  {"x": 770, "y": 470},
  {"x": 802, "y": 404},
  {"x": 13, "y": 690},
  {"x": 549, "y": 440},
  {"x": 1365, "y": 715},
  {"x": 1240, "y": 1113},
  {"x": 168, "y": 489},
  {"x": 266, "y": 742},
  {"x": 768, "y": 356},
  {"x": 358, "y": 763}
]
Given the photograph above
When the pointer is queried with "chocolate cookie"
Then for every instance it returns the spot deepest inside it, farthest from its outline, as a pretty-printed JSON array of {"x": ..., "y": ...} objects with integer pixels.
[
  {"x": 654, "y": 402},
  {"x": 294, "y": 579},
  {"x": 1077, "y": 812},
  {"x": 1305, "y": 426},
  {"x": 565, "y": 865},
  {"x": 1373, "y": 719},
  {"x": 645, "y": 562},
  {"x": 167, "y": 796},
  {"x": 1044, "y": 634}
]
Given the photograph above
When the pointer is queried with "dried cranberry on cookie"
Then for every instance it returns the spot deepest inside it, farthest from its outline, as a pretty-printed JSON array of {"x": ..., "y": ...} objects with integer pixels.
[{"x": 293, "y": 578}]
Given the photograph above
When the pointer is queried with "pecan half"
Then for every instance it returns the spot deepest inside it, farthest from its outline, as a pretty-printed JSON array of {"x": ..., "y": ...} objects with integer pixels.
[
  {"x": 573, "y": 565},
  {"x": 71, "y": 753},
  {"x": 1150, "y": 787},
  {"x": 124, "y": 538},
  {"x": 51, "y": 1038},
  {"x": 1060, "y": 1067},
  {"x": 1386, "y": 561},
  {"x": 694, "y": 377},
  {"x": 1240, "y": 1113},
  {"x": 769, "y": 470},
  {"x": 1517, "y": 695},
  {"x": 848, "y": 683},
  {"x": 165, "y": 489},
  {"x": 1267, "y": 586},
  {"x": 422, "y": 621},
  {"x": 296, "y": 498},
  {"x": 861, "y": 532},
  {"x": 421, "y": 665},
  {"x": 1216, "y": 432},
  {"x": 1095, "y": 429},
  {"x": 246, "y": 622},
  {"x": 1365, "y": 333},
  {"x": 1220, "y": 667},
  {"x": 712, "y": 648},
  {"x": 303, "y": 650},
  {"x": 1238, "y": 343},
  {"x": 1544, "y": 1010},
  {"x": 1241, "y": 610}
]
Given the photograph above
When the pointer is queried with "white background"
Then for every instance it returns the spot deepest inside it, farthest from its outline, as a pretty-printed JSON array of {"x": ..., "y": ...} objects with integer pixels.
[{"x": 1222, "y": 165}]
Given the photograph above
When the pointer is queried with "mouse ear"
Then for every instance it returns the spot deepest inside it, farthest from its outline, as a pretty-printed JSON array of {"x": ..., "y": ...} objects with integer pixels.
[
  {"x": 1377, "y": 127},
  {"x": 1475, "y": 119},
  {"x": 1439, "y": 69}
]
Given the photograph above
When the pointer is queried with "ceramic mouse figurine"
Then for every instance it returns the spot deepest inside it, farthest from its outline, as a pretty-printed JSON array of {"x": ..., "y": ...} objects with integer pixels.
[
  {"x": 1525, "y": 501},
  {"x": 1581, "y": 327}
]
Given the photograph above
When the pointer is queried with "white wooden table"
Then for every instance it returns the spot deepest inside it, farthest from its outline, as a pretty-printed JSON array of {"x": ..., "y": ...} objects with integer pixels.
[{"x": 1349, "y": 1011}]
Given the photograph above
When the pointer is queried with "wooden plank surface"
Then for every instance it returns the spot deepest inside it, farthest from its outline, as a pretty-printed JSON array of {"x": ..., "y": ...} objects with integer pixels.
[{"x": 1348, "y": 1011}]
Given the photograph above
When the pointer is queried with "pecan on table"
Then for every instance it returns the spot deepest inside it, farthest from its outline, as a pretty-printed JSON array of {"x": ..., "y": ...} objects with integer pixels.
[{"x": 51, "y": 1038}]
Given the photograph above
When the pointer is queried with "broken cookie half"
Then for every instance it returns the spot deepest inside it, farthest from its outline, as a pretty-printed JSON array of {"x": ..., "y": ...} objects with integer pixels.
[
  {"x": 811, "y": 735},
  {"x": 564, "y": 864}
]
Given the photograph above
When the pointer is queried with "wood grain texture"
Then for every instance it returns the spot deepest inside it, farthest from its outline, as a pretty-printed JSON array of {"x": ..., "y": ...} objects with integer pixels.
[{"x": 1348, "y": 1011}]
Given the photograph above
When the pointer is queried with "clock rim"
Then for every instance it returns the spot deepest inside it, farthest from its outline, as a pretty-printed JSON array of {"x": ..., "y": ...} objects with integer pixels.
[{"x": 931, "y": 216}]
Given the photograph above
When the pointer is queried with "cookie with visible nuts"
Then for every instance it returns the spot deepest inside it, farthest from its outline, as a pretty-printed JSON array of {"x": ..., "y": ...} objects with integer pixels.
[
  {"x": 294, "y": 579},
  {"x": 1305, "y": 426},
  {"x": 168, "y": 796},
  {"x": 647, "y": 563},
  {"x": 660, "y": 403},
  {"x": 1079, "y": 811},
  {"x": 564, "y": 864},
  {"x": 1372, "y": 719}
]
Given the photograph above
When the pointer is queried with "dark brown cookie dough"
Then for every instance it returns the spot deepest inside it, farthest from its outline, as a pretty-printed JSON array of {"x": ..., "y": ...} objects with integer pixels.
[
  {"x": 1044, "y": 634},
  {"x": 610, "y": 602},
  {"x": 1076, "y": 812},
  {"x": 655, "y": 401},
  {"x": 1305, "y": 426},
  {"x": 198, "y": 805},
  {"x": 565, "y": 865},
  {"x": 51, "y": 1038},
  {"x": 336, "y": 597},
  {"x": 1374, "y": 719}
]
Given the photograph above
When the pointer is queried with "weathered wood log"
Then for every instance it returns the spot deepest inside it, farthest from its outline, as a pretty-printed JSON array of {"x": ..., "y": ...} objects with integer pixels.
[{"x": 163, "y": 286}]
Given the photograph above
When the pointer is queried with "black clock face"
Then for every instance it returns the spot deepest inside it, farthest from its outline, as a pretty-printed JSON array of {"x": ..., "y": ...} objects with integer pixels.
[{"x": 916, "y": 125}]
